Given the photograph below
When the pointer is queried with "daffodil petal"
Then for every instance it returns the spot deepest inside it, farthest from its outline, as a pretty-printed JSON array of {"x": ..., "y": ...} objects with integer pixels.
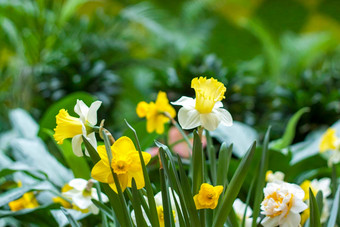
[
  {"x": 76, "y": 145},
  {"x": 81, "y": 109},
  {"x": 269, "y": 222},
  {"x": 81, "y": 201},
  {"x": 185, "y": 101},
  {"x": 291, "y": 220},
  {"x": 188, "y": 118},
  {"x": 78, "y": 183},
  {"x": 139, "y": 179},
  {"x": 92, "y": 112},
  {"x": 94, "y": 209},
  {"x": 224, "y": 116},
  {"x": 101, "y": 172},
  {"x": 158, "y": 199},
  {"x": 218, "y": 104},
  {"x": 210, "y": 121},
  {"x": 123, "y": 144},
  {"x": 124, "y": 181},
  {"x": 103, "y": 155},
  {"x": 93, "y": 141}
]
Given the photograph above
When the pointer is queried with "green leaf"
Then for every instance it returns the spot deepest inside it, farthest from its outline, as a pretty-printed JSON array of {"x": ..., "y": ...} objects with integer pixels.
[
  {"x": 335, "y": 209},
  {"x": 106, "y": 210},
  {"x": 234, "y": 187},
  {"x": 261, "y": 178},
  {"x": 314, "y": 211},
  {"x": 78, "y": 165},
  {"x": 223, "y": 164},
  {"x": 153, "y": 211},
  {"x": 136, "y": 203},
  {"x": 69, "y": 9},
  {"x": 212, "y": 158},
  {"x": 289, "y": 133},
  {"x": 70, "y": 218},
  {"x": 197, "y": 164},
  {"x": 68, "y": 103},
  {"x": 167, "y": 210},
  {"x": 20, "y": 167}
]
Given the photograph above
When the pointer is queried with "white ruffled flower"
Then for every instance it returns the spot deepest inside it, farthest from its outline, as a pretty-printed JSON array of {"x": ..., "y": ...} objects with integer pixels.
[
  {"x": 282, "y": 204},
  {"x": 240, "y": 208},
  {"x": 81, "y": 194},
  {"x": 276, "y": 176},
  {"x": 75, "y": 128},
  {"x": 206, "y": 109},
  {"x": 159, "y": 206}
]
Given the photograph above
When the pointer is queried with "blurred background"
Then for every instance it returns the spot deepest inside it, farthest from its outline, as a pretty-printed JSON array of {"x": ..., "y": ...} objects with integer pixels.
[{"x": 274, "y": 56}]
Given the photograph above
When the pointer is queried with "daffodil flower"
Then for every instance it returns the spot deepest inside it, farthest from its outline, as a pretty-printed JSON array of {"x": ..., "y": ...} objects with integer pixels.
[
  {"x": 206, "y": 109},
  {"x": 330, "y": 142},
  {"x": 27, "y": 201},
  {"x": 207, "y": 196},
  {"x": 155, "y": 113},
  {"x": 125, "y": 163},
  {"x": 240, "y": 208},
  {"x": 316, "y": 186},
  {"x": 159, "y": 207},
  {"x": 80, "y": 192},
  {"x": 282, "y": 204},
  {"x": 75, "y": 128},
  {"x": 272, "y": 177}
]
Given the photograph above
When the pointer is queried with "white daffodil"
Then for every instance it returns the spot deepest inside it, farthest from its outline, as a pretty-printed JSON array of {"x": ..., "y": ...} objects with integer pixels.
[
  {"x": 75, "y": 128},
  {"x": 316, "y": 186},
  {"x": 206, "y": 109},
  {"x": 282, "y": 204},
  {"x": 330, "y": 142},
  {"x": 159, "y": 206},
  {"x": 272, "y": 177},
  {"x": 80, "y": 192},
  {"x": 240, "y": 208}
]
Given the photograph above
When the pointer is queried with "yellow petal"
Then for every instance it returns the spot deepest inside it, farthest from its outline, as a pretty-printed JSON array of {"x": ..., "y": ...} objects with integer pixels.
[
  {"x": 122, "y": 145},
  {"x": 67, "y": 126},
  {"x": 328, "y": 140},
  {"x": 142, "y": 109},
  {"x": 102, "y": 172},
  {"x": 103, "y": 154},
  {"x": 139, "y": 179}
]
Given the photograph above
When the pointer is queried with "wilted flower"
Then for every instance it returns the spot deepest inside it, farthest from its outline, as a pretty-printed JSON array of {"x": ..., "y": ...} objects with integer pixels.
[
  {"x": 272, "y": 177},
  {"x": 155, "y": 113},
  {"x": 240, "y": 208},
  {"x": 282, "y": 204},
  {"x": 125, "y": 163},
  {"x": 206, "y": 109},
  {"x": 207, "y": 196},
  {"x": 80, "y": 192},
  {"x": 316, "y": 186},
  {"x": 330, "y": 142},
  {"x": 75, "y": 128},
  {"x": 159, "y": 206}
]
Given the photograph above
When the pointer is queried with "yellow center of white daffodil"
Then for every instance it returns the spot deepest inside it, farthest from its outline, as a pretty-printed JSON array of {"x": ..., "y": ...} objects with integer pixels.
[
  {"x": 67, "y": 126},
  {"x": 274, "y": 201},
  {"x": 328, "y": 140},
  {"x": 208, "y": 92}
]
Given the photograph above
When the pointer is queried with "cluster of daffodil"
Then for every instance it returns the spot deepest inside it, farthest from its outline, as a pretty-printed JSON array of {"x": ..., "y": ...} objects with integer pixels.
[{"x": 183, "y": 200}]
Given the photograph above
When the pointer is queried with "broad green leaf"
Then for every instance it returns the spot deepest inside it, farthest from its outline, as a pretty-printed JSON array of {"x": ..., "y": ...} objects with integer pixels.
[
  {"x": 167, "y": 210},
  {"x": 20, "y": 167},
  {"x": 233, "y": 188},
  {"x": 136, "y": 203},
  {"x": 314, "y": 211},
  {"x": 212, "y": 158},
  {"x": 223, "y": 164},
  {"x": 197, "y": 163},
  {"x": 289, "y": 133},
  {"x": 106, "y": 210}
]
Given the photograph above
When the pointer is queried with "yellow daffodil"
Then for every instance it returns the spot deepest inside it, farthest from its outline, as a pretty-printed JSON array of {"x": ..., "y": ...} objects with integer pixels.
[
  {"x": 282, "y": 204},
  {"x": 206, "y": 109},
  {"x": 155, "y": 113},
  {"x": 27, "y": 201},
  {"x": 330, "y": 142},
  {"x": 125, "y": 163},
  {"x": 72, "y": 127},
  {"x": 316, "y": 186},
  {"x": 207, "y": 196}
]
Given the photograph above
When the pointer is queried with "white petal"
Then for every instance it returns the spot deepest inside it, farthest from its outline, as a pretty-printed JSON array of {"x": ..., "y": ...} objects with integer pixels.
[
  {"x": 210, "y": 121},
  {"x": 185, "y": 101},
  {"x": 70, "y": 193},
  {"x": 270, "y": 222},
  {"x": 158, "y": 199},
  {"x": 81, "y": 201},
  {"x": 76, "y": 145},
  {"x": 224, "y": 116},
  {"x": 291, "y": 220},
  {"x": 92, "y": 114},
  {"x": 218, "y": 104},
  {"x": 81, "y": 109},
  {"x": 189, "y": 118},
  {"x": 78, "y": 184},
  {"x": 298, "y": 206},
  {"x": 94, "y": 209}
]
